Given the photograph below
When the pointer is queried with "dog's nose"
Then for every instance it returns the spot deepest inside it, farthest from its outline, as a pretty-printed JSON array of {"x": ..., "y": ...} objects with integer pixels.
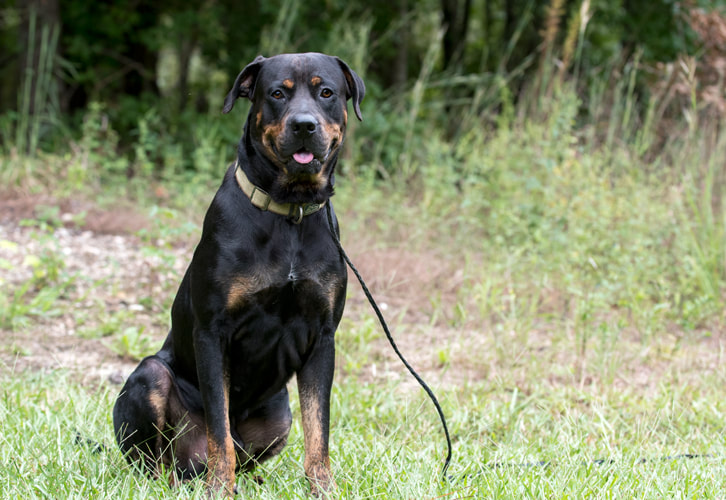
[{"x": 303, "y": 125}]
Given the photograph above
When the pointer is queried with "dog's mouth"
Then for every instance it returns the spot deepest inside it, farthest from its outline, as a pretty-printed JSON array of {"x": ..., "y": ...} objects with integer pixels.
[
  {"x": 303, "y": 161},
  {"x": 303, "y": 157}
]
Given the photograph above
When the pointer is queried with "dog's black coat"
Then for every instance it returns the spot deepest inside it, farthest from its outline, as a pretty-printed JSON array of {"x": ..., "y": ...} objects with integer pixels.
[{"x": 262, "y": 297}]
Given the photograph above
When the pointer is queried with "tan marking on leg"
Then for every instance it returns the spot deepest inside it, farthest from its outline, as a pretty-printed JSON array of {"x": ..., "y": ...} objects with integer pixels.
[
  {"x": 259, "y": 118},
  {"x": 222, "y": 459},
  {"x": 157, "y": 399},
  {"x": 317, "y": 460},
  {"x": 221, "y": 465},
  {"x": 158, "y": 402}
]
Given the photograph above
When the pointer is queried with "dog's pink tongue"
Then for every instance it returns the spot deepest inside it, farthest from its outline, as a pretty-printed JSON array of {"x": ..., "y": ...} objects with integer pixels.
[{"x": 303, "y": 157}]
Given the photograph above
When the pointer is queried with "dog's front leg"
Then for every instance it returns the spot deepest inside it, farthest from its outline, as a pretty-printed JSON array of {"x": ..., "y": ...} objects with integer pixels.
[
  {"x": 213, "y": 374},
  {"x": 315, "y": 380}
]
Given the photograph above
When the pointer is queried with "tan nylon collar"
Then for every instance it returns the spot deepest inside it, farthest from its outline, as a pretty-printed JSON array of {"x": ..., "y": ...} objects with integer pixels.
[{"x": 263, "y": 201}]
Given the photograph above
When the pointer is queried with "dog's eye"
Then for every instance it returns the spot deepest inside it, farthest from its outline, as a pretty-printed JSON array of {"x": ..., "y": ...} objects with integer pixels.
[
  {"x": 326, "y": 93},
  {"x": 278, "y": 94}
]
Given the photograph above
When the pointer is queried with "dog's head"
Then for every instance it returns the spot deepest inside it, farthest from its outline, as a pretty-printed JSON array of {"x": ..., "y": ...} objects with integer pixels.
[{"x": 298, "y": 116}]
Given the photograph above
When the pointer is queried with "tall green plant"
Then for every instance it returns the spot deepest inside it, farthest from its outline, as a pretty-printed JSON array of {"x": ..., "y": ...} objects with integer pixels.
[
  {"x": 36, "y": 87},
  {"x": 417, "y": 97},
  {"x": 276, "y": 39},
  {"x": 36, "y": 108},
  {"x": 704, "y": 217}
]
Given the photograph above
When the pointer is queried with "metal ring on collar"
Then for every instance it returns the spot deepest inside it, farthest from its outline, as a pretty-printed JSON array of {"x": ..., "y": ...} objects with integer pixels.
[{"x": 297, "y": 218}]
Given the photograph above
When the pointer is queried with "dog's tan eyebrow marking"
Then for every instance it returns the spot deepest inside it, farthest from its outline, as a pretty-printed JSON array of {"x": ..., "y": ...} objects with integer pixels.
[
  {"x": 288, "y": 83},
  {"x": 316, "y": 80}
]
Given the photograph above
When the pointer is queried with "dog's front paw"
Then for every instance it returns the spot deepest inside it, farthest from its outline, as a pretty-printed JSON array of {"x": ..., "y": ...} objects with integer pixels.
[
  {"x": 321, "y": 480},
  {"x": 217, "y": 487}
]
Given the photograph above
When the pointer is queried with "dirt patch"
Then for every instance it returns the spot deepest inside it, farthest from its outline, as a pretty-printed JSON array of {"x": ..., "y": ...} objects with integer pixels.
[
  {"x": 422, "y": 283},
  {"x": 75, "y": 213},
  {"x": 71, "y": 291}
]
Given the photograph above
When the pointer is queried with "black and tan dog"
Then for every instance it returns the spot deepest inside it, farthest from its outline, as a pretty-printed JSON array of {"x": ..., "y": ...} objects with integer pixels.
[{"x": 262, "y": 297}]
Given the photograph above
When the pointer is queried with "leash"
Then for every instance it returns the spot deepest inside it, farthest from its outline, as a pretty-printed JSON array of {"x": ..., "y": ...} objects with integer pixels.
[{"x": 382, "y": 321}]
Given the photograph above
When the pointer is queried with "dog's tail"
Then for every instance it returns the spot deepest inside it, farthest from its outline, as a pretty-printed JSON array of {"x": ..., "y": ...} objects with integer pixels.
[{"x": 94, "y": 446}]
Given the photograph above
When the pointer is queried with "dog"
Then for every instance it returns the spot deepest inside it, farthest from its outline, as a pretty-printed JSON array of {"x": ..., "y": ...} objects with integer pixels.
[{"x": 262, "y": 297}]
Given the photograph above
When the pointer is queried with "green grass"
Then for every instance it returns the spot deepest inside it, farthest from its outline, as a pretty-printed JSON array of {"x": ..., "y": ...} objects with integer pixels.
[{"x": 388, "y": 446}]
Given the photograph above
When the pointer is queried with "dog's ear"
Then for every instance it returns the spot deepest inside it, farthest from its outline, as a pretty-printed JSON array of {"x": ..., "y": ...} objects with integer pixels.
[
  {"x": 244, "y": 85},
  {"x": 356, "y": 87}
]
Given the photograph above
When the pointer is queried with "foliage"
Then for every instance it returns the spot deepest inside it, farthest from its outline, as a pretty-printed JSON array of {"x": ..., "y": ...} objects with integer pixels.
[
  {"x": 38, "y": 295},
  {"x": 160, "y": 67},
  {"x": 552, "y": 183}
]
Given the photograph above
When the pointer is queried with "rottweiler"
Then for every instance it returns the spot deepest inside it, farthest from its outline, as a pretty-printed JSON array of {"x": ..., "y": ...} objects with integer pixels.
[{"x": 262, "y": 297}]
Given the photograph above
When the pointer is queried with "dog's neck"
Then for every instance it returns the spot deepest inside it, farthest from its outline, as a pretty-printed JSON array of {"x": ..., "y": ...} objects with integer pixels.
[
  {"x": 260, "y": 199},
  {"x": 265, "y": 175}
]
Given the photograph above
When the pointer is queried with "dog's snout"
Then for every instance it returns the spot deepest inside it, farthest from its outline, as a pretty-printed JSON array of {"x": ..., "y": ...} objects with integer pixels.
[{"x": 303, "y": 125}]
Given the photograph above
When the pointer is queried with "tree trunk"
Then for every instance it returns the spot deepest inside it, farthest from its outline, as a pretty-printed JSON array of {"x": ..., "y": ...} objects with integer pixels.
[
  {"x": 455, "y": 21},
  {"x": 141, "y": 77},
  {"x": 400, "y": 74}
]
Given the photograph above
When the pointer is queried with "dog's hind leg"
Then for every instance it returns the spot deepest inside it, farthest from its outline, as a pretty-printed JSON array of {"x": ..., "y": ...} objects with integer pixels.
[
  {"x": 153, "y": 427},
  {"x": 139, "y": 415}
]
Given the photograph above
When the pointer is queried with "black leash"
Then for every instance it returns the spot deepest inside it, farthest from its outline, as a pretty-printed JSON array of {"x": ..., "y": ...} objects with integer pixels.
[
  {"x": 373, "y": 304},
  {"x": 598, "y": 461}
]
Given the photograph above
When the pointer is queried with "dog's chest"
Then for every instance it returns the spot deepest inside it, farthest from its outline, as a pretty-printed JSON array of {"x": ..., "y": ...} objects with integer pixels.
[
  {"x": 298, "y": 284},
  {"x": 292, "y": 274},
  {"x": 293, "y": 299},
  {"x": 279, "y": 321}
]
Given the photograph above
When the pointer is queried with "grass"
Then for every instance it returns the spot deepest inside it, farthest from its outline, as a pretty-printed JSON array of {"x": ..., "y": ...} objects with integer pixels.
[{"x": 387, "y": 447}]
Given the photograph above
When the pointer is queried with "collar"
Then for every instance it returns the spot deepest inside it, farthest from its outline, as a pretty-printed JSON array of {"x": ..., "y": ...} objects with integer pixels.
[{"x": 263, "y": 201}]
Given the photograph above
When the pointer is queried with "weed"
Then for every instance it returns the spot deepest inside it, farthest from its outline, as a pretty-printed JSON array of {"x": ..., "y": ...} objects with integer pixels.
[
  {"x": 35, "y": 108},
  {"x": 92, "y": 162},
  {"x": 39, "y": 294},
  {"x": 132, "y": 344},
  {"x": 106, "y": 324},
  {"x": 355, "y": 342}
]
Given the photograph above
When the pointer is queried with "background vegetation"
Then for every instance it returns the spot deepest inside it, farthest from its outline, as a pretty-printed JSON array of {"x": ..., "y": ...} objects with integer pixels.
[{"x": 536, "y": 194}]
